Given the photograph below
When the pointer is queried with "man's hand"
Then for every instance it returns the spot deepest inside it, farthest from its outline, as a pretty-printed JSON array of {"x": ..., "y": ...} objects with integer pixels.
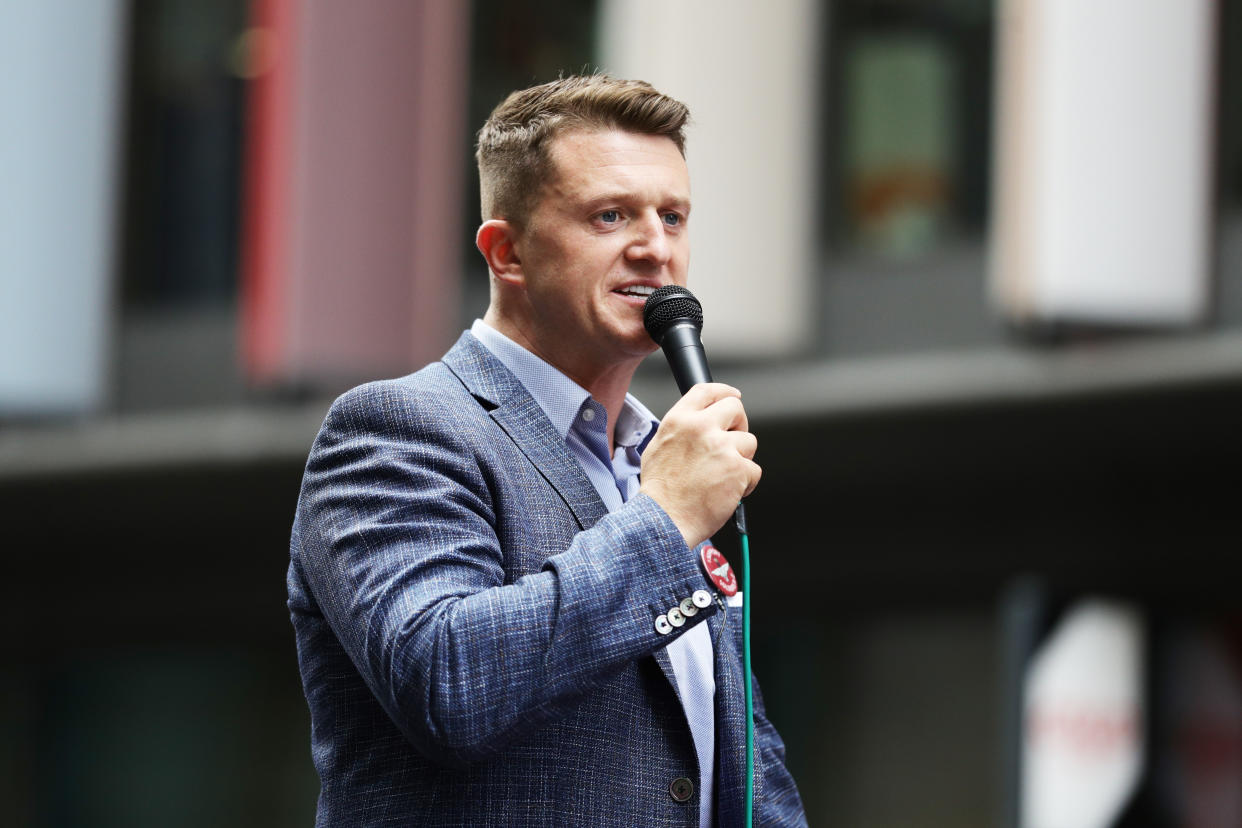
[{"x": 698, "y": 466}]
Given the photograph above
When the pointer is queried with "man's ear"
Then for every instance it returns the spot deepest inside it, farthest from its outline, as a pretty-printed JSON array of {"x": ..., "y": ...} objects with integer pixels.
[{"x": 496, "y": 240}]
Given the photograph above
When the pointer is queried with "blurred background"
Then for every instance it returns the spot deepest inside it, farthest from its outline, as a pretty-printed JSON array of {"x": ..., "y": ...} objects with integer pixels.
[{"x": 977, "y": 266}]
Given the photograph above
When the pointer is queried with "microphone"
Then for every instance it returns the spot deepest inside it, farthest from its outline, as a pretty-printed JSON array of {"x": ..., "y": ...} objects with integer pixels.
[{"x": 674, "y": 318}]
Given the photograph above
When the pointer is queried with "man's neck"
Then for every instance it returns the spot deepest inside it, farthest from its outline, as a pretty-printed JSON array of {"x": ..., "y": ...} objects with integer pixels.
[
  {"x": 610, "y": 392},
  {"x": 608, "y": 385}
]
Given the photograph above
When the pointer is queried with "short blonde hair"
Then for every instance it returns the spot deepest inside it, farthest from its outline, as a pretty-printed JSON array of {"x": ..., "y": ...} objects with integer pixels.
[{"x": 513, "y": 144}]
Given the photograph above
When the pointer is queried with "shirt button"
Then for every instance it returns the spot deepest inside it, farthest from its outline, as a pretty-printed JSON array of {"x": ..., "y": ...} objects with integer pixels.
[
  {"x": 702, "y": 598},
  {"x": 688, "y": 608},
  {"x": 675, "y": 617},
  {"x": 662, "y": 626},
  {"x": 681, "y": 789},
  {"x": 588, "y": 414}
]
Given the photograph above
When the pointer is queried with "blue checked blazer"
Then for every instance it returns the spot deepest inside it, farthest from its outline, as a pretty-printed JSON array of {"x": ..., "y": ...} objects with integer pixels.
[{"x": 475, "y": 630}]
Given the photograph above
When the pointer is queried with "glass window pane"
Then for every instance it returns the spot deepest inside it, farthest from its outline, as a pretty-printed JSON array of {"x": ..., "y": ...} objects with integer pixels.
[
  {"x": 910, "y": 110},
  {"x": 183, "y": 170}
]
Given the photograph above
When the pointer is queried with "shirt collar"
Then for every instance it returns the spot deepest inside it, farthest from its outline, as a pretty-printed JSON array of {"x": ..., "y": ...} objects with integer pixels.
[
  {"x": 560, "y": 397},
  {"x": 636, "y": 425}
]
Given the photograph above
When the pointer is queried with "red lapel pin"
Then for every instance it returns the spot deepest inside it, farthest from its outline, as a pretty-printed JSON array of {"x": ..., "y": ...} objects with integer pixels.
[{"x": 718, "y": 570}]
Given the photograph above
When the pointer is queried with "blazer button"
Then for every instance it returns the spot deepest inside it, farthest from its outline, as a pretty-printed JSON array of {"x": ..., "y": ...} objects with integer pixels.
[{"x": 681, "y": 789}]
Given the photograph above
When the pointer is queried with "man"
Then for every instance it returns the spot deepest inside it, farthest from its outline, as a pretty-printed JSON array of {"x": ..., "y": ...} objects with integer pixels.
[{"x": 499, "y": 620}]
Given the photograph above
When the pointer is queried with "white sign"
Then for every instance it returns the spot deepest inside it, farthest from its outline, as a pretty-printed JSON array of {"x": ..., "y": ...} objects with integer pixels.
[{"x": 1083, "y": 740}]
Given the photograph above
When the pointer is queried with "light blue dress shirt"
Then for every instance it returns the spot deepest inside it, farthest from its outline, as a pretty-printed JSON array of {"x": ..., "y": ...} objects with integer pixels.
[{"x": 583, "y": 423}]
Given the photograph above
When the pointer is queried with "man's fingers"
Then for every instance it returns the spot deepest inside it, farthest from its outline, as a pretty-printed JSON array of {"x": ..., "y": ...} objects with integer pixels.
[
  {"x": 722, "y": 402},
  {"x": 705, "y": 393},
  {"x": 745, "y": 443},
  {"x": 728, "y": 413},
  {"x": 754, "y": 472}
]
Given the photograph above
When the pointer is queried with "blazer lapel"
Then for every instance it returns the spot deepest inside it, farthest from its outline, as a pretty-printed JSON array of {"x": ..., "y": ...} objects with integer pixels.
[
  {"x": 517, "y": 413},
  {"x": 526, "y": 424}
]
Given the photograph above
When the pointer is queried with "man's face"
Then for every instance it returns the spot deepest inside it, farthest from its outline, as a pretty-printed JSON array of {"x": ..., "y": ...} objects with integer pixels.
[{"x": 609, "y": 227}]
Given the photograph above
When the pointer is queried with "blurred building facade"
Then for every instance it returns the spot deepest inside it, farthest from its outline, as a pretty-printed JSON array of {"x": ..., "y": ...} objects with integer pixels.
[{"x": 236, "y": 210}]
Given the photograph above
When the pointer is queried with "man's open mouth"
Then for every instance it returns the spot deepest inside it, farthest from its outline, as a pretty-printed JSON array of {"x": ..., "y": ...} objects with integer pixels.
[{"x": 641, "y": 291}]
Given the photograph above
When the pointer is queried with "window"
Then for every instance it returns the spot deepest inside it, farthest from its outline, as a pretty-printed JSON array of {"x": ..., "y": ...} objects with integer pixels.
[
  {"x": 910, "y": 116},
  {"x": 183, "y": 168}
]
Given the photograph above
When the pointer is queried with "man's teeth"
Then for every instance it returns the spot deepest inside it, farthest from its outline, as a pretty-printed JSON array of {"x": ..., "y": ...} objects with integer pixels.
[{"x": 638, "y": 290}]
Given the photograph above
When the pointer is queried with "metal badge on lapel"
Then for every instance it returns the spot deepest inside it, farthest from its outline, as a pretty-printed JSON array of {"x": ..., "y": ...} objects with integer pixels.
[{"x": 718, "y": 570}]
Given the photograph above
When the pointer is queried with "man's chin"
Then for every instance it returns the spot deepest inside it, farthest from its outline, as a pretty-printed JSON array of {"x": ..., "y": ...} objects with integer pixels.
[
  {"x": 645, "y": 349},
  {"x": 638, "y": 341},
  {"x": 632, "y": 338}
]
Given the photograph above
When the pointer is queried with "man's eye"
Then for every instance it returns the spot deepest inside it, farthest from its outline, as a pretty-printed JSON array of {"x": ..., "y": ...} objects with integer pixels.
[
  {"x": 609, "y": 216},
  {"x": 672, "y": 219}
]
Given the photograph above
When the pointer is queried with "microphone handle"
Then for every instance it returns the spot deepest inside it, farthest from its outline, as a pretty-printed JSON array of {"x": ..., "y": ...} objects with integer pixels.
[{"x": 684, "y": 350}]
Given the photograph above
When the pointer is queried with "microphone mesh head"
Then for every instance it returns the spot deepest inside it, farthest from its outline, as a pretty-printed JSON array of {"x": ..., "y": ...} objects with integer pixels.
[{"x": 670, "y": 304}]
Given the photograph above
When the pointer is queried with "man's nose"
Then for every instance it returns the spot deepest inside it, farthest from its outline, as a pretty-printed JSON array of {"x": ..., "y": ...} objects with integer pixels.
[{"x": 650, "y": 241}]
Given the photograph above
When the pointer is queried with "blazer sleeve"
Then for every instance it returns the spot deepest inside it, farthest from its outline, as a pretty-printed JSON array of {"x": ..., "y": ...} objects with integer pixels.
[{"x": 398, "y": 546}]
